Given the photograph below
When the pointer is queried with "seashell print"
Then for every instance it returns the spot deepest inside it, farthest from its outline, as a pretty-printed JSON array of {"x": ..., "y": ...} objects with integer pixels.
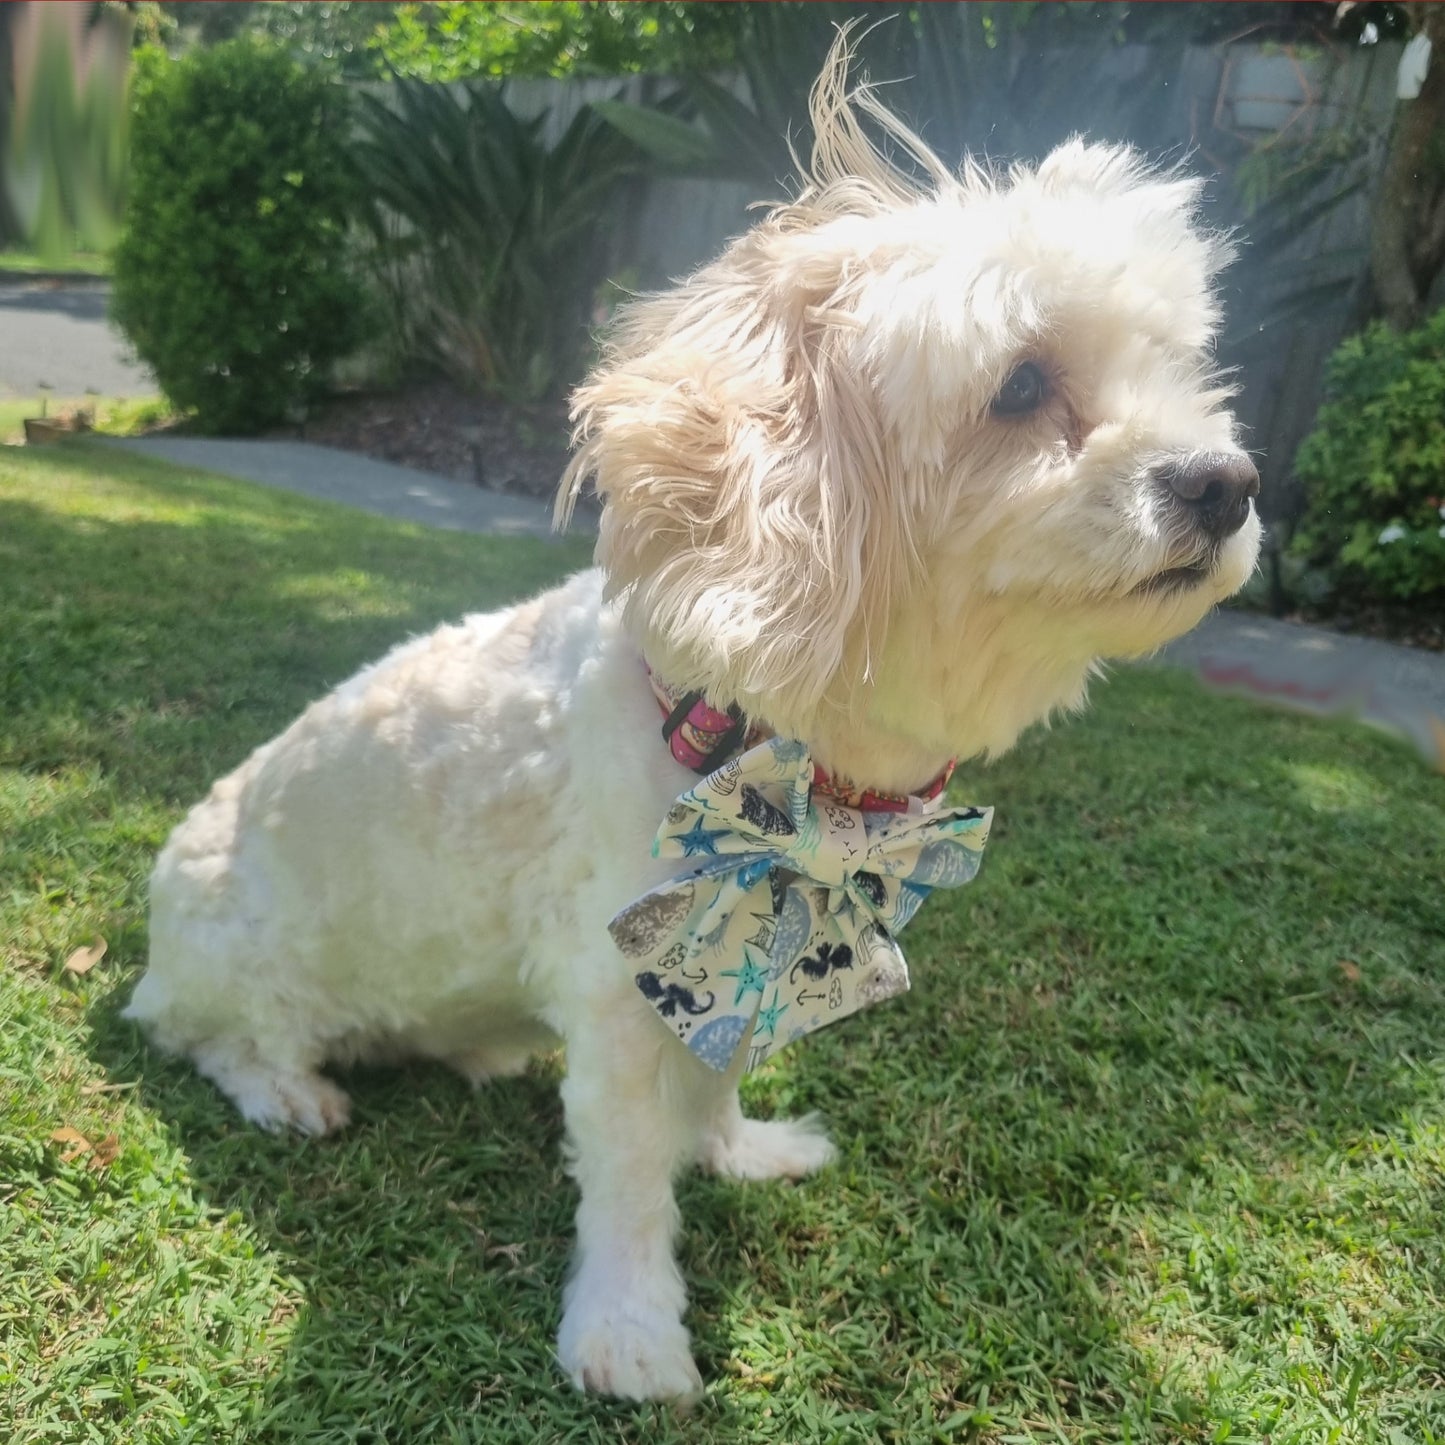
[{"x": 638, "y": 930}]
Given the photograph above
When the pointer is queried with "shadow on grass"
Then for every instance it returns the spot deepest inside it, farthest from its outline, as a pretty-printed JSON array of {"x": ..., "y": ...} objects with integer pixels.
[{"x": 1112, "y": 1134}]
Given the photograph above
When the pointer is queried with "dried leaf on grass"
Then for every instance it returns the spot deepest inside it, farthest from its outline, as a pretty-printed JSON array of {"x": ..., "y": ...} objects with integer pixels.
[
  {"x": 85, "y": 959},
  {"x": 105, "y": 1151},
  {"x": 102, "y": 1152},
  {"x": 77, "y": 1141}
]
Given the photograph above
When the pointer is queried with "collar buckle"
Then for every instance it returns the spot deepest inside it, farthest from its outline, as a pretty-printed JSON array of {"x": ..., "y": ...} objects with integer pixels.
[{"x": 721, "y": 746}]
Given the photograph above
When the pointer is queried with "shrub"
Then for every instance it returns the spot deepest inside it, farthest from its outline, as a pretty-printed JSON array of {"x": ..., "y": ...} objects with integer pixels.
[
  {"x": 230, "y": 274},
  {"x": 490, "y": 245},
  {"x": 1374, "y": 466}
]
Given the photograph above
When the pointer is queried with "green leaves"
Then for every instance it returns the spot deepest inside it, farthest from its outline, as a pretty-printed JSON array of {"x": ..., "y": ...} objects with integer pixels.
[
  {"x": 1375, "y": 465},
  {"x": 674, "y": 143},
  {"x": 489, "y": 243},
  {"x": 454, "y": 40},
  {"x": 230, "y": 277},
  {"x": 62, "y": 166}
]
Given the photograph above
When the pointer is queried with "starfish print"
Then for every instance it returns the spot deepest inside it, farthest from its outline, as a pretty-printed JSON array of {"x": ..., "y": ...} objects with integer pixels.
[
  {"x": 698, "y": 839},
  {"x": 768, "y": 1017},
  {"x": 749, "y": 977}
]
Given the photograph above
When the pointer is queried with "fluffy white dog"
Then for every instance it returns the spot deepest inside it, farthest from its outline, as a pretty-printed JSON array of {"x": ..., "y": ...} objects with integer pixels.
[{"x": 889, "y": 477}]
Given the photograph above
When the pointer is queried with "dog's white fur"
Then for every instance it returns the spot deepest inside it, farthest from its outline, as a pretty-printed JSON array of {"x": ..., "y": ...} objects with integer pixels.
[{"x": 810, "y": 510}]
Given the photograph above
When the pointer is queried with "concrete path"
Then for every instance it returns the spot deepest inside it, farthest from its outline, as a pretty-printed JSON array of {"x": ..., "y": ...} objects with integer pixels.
[
  {"x": 57, "y": 336},
  {"x": 380, "y": 487},
  {"x": 1286, "y": 664},
  {"x": 1327, "y": 674}
]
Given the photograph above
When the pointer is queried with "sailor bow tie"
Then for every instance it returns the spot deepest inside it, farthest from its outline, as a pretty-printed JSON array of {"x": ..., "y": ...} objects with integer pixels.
[{"x": 786, "y": 921}]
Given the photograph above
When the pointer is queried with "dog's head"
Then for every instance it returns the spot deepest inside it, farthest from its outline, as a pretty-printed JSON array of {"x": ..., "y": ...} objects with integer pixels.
[{"x": 918, "y": 454}]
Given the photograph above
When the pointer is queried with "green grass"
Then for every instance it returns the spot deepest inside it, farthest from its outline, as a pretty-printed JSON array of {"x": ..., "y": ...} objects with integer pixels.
[
  {"x": 1153, "y": 1152},
  {"x": 118, "y": 416},
  {"x": 80, "y": 263}
]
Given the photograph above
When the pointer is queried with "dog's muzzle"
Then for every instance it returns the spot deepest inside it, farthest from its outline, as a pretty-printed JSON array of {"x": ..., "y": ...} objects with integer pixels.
[{"x": 1212, "y": 490}]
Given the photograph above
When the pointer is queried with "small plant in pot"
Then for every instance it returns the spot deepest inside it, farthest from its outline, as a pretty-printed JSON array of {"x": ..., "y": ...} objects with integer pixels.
[{"x": 45, "y": 428}]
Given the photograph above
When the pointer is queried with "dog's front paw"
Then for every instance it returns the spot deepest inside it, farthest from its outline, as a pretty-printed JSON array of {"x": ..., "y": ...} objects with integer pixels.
[
  {"x": 636, "y": 1352},
  {"x": 274, "y": 1097},
  {"x": 769, "y": 1149}
]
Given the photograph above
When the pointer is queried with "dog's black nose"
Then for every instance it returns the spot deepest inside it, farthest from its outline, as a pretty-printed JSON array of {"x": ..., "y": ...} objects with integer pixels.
[{"x": 1215, "y": 488}]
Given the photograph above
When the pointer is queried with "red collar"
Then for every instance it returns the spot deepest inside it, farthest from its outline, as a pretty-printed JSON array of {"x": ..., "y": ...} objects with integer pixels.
[{"x": 702, "y": 738}]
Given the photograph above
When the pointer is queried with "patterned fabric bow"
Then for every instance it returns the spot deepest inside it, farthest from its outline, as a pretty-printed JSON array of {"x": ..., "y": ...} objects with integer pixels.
[{"x": 787, "y": 921}]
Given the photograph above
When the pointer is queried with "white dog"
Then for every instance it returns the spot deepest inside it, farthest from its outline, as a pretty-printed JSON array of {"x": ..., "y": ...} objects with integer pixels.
[{"x": 888, "y": 478}]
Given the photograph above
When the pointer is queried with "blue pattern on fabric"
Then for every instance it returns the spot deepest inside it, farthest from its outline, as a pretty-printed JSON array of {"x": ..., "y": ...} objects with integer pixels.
[{"x": 785, "y": 920}]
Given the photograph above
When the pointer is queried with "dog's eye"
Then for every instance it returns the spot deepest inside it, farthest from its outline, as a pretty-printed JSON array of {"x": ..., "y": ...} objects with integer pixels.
[{"x": 1023, "y": 392}]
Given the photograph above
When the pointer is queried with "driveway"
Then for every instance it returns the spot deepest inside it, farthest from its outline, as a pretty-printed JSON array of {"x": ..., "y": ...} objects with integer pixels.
[
  {"x": 356, "y": 481},
  {"x": 57, "y": 336}
]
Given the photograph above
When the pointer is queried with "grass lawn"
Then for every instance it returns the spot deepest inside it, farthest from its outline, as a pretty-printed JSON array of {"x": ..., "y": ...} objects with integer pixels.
[
  {"x": 79, "y": 263},
  {"x": 1153, "y": 1152},
  {"x": 113, "y": 415}
]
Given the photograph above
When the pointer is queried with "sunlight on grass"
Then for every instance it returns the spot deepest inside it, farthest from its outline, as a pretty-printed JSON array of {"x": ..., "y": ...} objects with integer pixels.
[
  {"x": 1338, "y": 788},
  {"x": 345, "y": 592},
  {"x": 81, "y": 263},
  {"x": 1152, "y": 1152},
  {"x": 119, "y": 416}
]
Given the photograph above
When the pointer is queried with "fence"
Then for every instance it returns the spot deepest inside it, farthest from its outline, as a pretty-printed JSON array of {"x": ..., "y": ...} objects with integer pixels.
[{"x": 1219, "y": 108}]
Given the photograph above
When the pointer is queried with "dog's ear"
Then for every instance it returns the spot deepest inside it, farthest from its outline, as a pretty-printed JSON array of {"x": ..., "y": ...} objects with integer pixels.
[
  {"x": 1161, "y": 209},
  {"x": 749, "y": 518},
  {"x": 756, "y": 518}
]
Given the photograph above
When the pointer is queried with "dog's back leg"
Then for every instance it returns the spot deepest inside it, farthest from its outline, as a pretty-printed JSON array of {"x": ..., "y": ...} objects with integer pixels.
[
  {"x": 272, "y": 1094},
  {"x": 227, "y": 985},
  {"x": 267, "y": 1070},
  {"x": 743, "y": 1148}
]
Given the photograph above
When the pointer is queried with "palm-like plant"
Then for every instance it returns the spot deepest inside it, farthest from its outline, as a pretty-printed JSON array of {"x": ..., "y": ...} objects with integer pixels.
[
  {"x": 489, "y": 244},
  {"x": 1006, "y": 81}
]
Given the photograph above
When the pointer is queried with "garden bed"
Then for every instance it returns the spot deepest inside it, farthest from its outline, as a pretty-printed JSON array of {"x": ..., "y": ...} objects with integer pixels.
[
  {"x": 437, "y": 427},
  {"x": 1417, "y": 624}
]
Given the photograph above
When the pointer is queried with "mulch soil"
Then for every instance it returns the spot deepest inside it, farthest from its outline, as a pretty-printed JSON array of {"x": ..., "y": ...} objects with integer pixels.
[
  {"x": 1418, "y": 625},
  {"x": 436, "y": 427}
]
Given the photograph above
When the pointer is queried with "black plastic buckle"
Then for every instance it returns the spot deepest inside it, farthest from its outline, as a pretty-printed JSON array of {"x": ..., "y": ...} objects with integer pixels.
[{"x": 725, "y": 746}]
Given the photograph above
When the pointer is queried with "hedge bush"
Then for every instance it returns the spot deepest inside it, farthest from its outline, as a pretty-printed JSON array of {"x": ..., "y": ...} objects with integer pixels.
[
  {"x": 230, "y": 274},
  {"x": 1374, "y": 466}
]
